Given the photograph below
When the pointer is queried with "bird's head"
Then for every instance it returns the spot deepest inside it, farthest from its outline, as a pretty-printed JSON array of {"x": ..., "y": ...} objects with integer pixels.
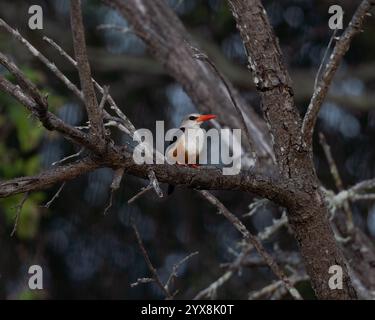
[{"x": 194, "y": 120}]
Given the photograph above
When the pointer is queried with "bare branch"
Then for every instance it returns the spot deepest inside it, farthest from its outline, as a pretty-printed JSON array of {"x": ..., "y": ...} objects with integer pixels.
[
  {"x": 18, "y": 208},
  {"x": 115, "y": 185},
  {"x": 49, "y": 120},
  {"x": 276, "y": 288},
  {"x": 318, "y": 74},
  {"x": 114, "y": 27},
  {"x": 140, "y": 193},
  {"x": 211, "y": 290},
  {"x": 336, "y": 177},
  {"x": 47, "y": 178},
  {"x": 95, "y": 115},
  {"x": 153, "y": 271},
  {"x": 254, "y": 241},
  {"x": 340, "y": 49},
  {"x": 173, "y": 276},
  {"x": 155, "y": 184},
  {"x": 199, "y": 55},
  {"x": 55, "y": 196},
  {"x": 201, "y": 178},
  {"x": 75, "y": 155},
  {"x": 141, "y": 280},
  {"x": 51, "y": 66},
  {"x": 127, "y": 125}
]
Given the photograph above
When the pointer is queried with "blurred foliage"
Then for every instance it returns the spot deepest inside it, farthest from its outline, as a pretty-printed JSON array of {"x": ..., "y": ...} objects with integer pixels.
[{"x": 21, "y": 136}]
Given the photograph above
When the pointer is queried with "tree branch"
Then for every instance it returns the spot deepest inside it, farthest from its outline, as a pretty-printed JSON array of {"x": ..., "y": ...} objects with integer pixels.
[
  {"x": 271, "y": 78},
  {"x": 48, "y": 119},
  {"x": 253, "y": 240},
  {"x": 127, "y": 125},
  {"x": 202, "y": 178},
  {"x": 211, "y": 290},
  {"x": 307, "y": 218},
  {"x": 95, "y": 115},
  {"x": 47, "y": 178},
  {"x": 340, "y": 49}
]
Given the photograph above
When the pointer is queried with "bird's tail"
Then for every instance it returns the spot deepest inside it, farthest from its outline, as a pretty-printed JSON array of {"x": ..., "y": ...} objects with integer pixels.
[{"x": 171, "y": 188}]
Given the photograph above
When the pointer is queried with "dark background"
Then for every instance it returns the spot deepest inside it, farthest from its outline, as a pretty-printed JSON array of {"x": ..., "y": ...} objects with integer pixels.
[{"x": 85, "y": 254}]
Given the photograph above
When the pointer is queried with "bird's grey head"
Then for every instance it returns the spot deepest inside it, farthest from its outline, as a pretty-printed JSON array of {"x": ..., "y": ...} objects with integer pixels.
[{"x": 194, "y": 120}]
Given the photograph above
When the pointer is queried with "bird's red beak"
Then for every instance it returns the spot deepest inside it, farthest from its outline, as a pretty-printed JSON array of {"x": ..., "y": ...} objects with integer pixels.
[{"x": 205, "y": 117}]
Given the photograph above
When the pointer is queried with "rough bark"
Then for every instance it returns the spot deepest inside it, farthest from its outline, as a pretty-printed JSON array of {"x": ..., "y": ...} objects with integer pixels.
[{"x": 307, "y": 211}]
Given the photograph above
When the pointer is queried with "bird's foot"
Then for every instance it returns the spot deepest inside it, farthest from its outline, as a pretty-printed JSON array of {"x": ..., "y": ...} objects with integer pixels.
[
  {"x": 189, "y": 165},
  {"x": 193, "y": 165}
]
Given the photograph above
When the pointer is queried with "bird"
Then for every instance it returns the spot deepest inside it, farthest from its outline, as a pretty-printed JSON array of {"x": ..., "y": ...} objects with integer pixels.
[{"x": 186, "y": 147}]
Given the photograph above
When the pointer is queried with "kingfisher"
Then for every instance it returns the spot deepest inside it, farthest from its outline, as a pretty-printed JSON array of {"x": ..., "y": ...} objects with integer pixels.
[{"x": 187, "y": 145}]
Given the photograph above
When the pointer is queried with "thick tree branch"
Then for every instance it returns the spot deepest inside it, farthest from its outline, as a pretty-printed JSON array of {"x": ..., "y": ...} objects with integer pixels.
[
  {"x": 202, "y": 178},
  {"x": 340, "y": 49},
  {"x": 270, "y": 77},
  {"x": 46, "y": 178},
  {"x": 307, "y": 211}
]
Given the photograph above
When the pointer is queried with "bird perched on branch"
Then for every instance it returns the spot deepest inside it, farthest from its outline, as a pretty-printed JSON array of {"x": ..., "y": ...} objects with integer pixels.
[{"x": 186, "y": 147}]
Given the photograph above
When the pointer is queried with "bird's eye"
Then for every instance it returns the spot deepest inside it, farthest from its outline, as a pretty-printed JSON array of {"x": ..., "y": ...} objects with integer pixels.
[{"x": 192, "y": 118}]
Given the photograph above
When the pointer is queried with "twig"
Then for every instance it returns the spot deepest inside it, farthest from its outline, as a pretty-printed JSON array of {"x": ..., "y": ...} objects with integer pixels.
[
  {"x": 104, "y": 97},
  {"x": 48, "y": 119},
  {"x": 155, "y": 183},
  {"x": 340, "y": 49},
  {"x": 55, "y": 196},
  {"x": 211, "y": 290},
  {"x": 254, "y": 241},
  {"x": 29, "y": 87},
  {"x": 141, "y": 280},
  {"x": 338, "y": 181},
  {"x": 276, "y": 288},
  {"x": 254, "y": 206},
  {"x": 18, "y": 208},
  {"x": 173, "y": 275},
  {"x": 140, "y": 193},
  {"x": 364, "y": 185},
  {"x": 201, "y": 56},
  {"x": 153, "y": 271},
  {"x": 68, "y": 157},
  {"x": 113, "y": 27},
  {"x": 124, "y": 120},
  {"x": 51, "y": 66},
  {"x": 317, "y": 77},
  {"x": 115, "y": 185}
]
